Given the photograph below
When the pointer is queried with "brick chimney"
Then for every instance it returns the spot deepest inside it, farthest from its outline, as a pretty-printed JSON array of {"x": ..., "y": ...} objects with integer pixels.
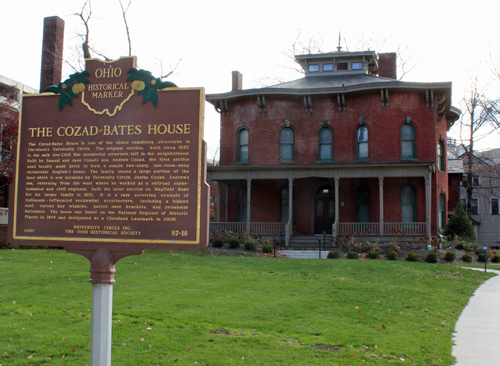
[
  {"x": 387, "y": 65},
  {"x": 237, "y": 81},
  {"x": 52, "y": 52}
]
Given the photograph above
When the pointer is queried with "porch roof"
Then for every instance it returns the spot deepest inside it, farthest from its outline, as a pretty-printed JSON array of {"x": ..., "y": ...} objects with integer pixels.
[{"x": 337, "y": 171}]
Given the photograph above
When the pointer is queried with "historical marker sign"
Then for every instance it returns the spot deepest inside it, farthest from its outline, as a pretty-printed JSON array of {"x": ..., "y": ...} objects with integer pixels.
[{"x": 113, "y": 159}]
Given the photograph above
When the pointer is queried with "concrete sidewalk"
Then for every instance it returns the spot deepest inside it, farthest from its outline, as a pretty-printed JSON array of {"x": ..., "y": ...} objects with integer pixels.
[{"x": 477, "y": 332}]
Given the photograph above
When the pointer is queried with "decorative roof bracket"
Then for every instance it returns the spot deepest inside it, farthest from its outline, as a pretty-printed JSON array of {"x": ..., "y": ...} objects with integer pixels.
[
  {"x": 222, "y": 107},
  {"x": 341, "y": 102},
  {"x": 308, "y": 103},
  {"x": 440, "y": 107},
  {"x": 384, "y": 96},
  {"x": 261, "y": 101}
]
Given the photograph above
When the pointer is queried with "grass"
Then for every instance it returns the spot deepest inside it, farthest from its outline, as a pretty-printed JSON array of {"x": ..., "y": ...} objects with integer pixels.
[{"x": 189, "y": 308}]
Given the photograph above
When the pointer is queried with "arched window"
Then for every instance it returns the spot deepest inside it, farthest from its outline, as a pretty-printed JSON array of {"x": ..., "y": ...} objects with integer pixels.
[
  {"x": 243, "y": 146},
  {"x": 442, "y": 211},
  {"x": 440, "y": 155},
  {"x": 408, "y": 141},
  {"x": 287, "y": 144},
  {"x": 325, "y": 144},
  {"x": 408, "y": 204},
  {"x": 363, "y": 203},
  {"x": 362, "y": 142}
]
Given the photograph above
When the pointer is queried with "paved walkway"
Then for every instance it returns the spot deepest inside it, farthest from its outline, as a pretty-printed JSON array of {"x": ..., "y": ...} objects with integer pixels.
[
  {"x": 477, "y": 332},
  {"x": 304, "y": 254}
]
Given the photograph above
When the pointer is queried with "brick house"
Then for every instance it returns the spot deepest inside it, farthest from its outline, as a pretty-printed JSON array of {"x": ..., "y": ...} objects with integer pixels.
[{"x": 345, "y": 149}]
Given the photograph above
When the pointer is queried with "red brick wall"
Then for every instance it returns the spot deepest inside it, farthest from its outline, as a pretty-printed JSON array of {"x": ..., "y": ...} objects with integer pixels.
[{"x": 384, "y": 128}]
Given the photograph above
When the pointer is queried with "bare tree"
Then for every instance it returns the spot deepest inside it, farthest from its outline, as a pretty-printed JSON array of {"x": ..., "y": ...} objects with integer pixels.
[
  {"x": 85, "y": 15},
  {"x": 124, "y": 14},
  {"x": 301, "y": 45},
  {"x": 480, "y": 118}
]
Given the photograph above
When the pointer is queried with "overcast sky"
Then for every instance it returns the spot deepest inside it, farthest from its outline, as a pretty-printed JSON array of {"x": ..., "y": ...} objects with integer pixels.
[{"x": 213, "y": 38}]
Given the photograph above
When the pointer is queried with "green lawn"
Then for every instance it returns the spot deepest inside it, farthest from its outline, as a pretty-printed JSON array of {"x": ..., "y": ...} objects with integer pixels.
[{"x": 189, "y": 308}]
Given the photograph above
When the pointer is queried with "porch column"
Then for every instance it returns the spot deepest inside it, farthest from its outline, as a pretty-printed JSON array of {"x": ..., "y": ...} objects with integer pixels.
[
  {"x": 381, "y": 204},
  {"x": 249, "y": 192},
  {"x": 337, "y": 209},
  {"x": 218, "y": 200},
  {"x": 428, "y": 203},
  {"x": 288, "y": 227}
]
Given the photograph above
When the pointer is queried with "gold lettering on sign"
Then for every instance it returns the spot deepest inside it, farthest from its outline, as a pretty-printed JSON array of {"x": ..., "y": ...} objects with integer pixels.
[{"x": 108, "y": 73}]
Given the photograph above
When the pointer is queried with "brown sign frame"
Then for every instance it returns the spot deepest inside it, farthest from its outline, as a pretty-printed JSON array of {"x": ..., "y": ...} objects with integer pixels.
[{"x": 174, "y": 104}]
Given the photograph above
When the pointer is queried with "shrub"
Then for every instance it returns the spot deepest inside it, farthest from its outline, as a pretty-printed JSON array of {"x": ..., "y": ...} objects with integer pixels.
[
  {"x": 392, "y": 255},
  {"x": 352, "y": 255},
  {"x": 372, "y": 254},
  {"x": 496, "y": 259},
  {"x": 394, "y": 245},
  {"x": 267, "y": 248},
  {"x": 234, "y": 243},
  {"x": 432, "y": 257},
  {"x": 250, "y": 245},
  {"x": 450, "y": 256},
  {"x": 412, "y": 257},
  {"x": 459, "y": 245},
  {"x": 371, "y": 247},
  {"x": 467, "y": 258},
  {"x": 353, "y": 245},
  {"x": 218, "y": 243},
  {"x": 333, "y": 255},
  {"x": 459, "y": 224},
  {"x": 480, "y": 257},
  {"x": 6, "y": 245}
]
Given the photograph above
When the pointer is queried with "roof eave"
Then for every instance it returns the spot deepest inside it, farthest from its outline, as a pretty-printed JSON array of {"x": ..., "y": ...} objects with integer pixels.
[{"x": 393, "y": 85}]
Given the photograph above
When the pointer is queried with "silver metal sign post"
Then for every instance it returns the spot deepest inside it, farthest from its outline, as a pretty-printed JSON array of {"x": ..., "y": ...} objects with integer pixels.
[{"x": 102, "y": 318}]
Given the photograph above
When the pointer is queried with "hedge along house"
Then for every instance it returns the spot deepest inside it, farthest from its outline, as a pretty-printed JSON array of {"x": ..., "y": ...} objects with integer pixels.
[{"x": 347, "y": 149}]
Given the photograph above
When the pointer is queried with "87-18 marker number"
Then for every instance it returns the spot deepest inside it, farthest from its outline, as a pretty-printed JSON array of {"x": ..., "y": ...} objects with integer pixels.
[{"x": 179, "y": 232}]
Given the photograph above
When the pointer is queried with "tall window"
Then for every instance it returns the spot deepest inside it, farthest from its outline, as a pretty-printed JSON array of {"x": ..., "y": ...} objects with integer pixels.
[
  {"x": 442, "y": 211},
  {"x": 474, "y": 207},
  {"x": 408, "y": 141},
  {"x": 325, "y": 144},
  {"x": 440, "y": 155},
  {"x": 284, "y": 207},
  {"x": 242, "y": 204},
  {"x": 408, "y": 204},
  {"x": 287, "y": 144},
  {"x": 494, "y": 206},
  {"x": 362, "y": 142},
  {"x": 243, "y": 146},
  {"x": 363, "y": 203}
]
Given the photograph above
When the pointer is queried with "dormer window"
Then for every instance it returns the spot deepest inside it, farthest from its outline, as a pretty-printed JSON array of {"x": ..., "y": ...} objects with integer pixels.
[
  {"x": 314, "y": 68},
  {"x": 341, "y": 66},
  {"x": 327, "y": 67},
  {"x": 356, "y": 66}
]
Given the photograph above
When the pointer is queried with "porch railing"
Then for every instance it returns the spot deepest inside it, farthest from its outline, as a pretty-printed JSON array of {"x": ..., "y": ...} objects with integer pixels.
[
  {"x": 359, "y": 228},
  {"x": 404, "y": 228},
  {"x": 390, "y": 228},
  {"x": 262, "y": 228}
]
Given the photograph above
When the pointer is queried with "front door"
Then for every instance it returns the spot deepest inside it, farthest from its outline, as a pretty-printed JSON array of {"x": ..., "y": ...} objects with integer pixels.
[{"x": 324, "y": 209}]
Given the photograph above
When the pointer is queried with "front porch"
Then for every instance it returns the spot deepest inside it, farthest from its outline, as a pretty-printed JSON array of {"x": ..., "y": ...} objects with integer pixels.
[
  {"x": 370, "y": 230},
  {"x": 375, "y": 201}
]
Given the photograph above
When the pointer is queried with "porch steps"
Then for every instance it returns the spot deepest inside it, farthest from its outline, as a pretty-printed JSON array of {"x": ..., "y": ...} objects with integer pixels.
[
  {"x": 304, "y": 254},
  {"x": 311, "y": 243}
]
